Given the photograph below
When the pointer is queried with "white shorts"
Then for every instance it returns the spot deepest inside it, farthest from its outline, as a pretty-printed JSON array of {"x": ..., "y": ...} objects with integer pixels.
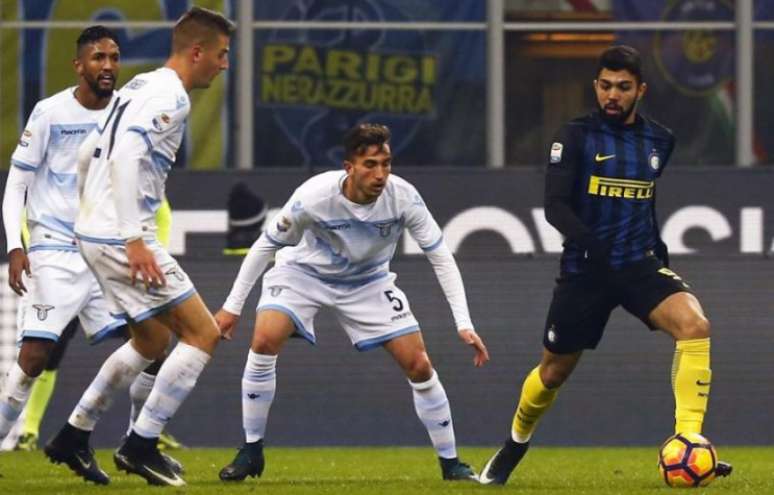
[
  {"x": 134, "y": 302},
  {"x": 371, "y": 314},
  {"x": 61, "y": 288}
]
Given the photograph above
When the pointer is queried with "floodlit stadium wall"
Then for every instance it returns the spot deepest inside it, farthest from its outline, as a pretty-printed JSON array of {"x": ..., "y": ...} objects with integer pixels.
[{"x": 718, "y": 222}]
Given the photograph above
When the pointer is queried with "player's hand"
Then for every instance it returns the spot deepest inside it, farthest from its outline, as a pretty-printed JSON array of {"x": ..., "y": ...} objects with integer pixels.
[
  {"x": 471, "y": 338},
  {"x": 226, "y": 323},
  {"x": 141, "y": 261},
  {"x": 18, "y": 264}
]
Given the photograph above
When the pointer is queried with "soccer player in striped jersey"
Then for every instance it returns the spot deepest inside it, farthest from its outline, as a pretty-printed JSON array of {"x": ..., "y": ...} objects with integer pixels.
[{"x": 600, "y": 194}]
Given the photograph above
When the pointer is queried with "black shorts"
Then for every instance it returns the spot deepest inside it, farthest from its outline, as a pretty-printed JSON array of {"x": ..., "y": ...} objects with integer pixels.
[{"x": 582, "y": 302}]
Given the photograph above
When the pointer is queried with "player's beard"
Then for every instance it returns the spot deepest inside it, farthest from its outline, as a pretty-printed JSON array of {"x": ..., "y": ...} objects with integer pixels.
[
  {"x": 619, "y": 119},
  {"x": 100, "y": 91}
]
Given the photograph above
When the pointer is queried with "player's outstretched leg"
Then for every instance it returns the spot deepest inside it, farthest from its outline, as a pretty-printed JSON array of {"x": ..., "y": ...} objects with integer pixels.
[
  {"x": 71, "y": 447},
  {"x": 259, "y": 383}
]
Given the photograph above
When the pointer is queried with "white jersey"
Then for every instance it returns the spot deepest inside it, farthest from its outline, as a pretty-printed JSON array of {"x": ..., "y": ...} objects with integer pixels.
[
  {"x": 155, "y": 106},
  {"x": 344, "y": 243},
  {"x": 48, "y": 146}
]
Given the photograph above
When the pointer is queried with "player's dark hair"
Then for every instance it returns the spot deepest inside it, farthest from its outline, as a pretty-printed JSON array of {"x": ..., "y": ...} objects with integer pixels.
[
  {"x": 621, "y": 57},
  {"x": 92, "y": 34},
  {"x": 199, "y": 25},
  {"x": 362, "y": 136}
]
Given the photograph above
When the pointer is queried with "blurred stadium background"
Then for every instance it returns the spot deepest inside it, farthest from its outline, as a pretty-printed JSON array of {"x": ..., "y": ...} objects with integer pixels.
[{"x": 473, "y": 91}]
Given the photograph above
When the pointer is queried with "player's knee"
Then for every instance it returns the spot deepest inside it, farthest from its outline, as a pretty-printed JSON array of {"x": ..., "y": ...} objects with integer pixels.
[
  {"x": 34, "y": 355},
  {"x": 33, "y": 363},
  {"x": 419, "y": 368},
  {"x": 263, "y": 344},
  {"x": 553, "y": 375},
  {"x": 697, "y": 327}
]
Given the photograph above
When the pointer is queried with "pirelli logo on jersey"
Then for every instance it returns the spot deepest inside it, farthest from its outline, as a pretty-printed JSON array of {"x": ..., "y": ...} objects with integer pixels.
[{"x": 620, "y": 188}]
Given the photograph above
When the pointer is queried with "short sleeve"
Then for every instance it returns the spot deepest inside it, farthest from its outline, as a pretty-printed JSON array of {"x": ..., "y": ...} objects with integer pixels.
[
  {"x": 287, "y": 228},
  {"x": 31, "y": 148}
]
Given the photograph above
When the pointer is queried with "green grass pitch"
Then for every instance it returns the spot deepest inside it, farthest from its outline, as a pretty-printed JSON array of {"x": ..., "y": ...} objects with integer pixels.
[{"x": 403, "y": 471}]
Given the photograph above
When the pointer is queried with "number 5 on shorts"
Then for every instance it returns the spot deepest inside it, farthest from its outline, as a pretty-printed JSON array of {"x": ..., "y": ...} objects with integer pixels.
[{"x": 397, "y": 303}]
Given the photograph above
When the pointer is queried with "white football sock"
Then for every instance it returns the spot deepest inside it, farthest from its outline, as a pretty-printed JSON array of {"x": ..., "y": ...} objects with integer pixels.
[
  {"x": 176, "y": 378},
  {"x": 138, "y": 393},
  {"x": 116, "y": 373},
  {"x": 259, "y": 382},
  {"x": 432, "y": 407},
  {"x": 16, "y": 391}
]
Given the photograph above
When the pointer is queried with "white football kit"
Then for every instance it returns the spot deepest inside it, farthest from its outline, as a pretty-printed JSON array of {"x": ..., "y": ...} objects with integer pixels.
[
  {"x": 141, "y": 132},
  {"x": 336, "y": 253},
  {"x": 44, "y": 166}
]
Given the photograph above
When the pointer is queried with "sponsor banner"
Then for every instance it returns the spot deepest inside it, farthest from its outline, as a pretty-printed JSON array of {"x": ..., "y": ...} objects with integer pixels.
[
  {"x": 313, "y": 85},
  {"x": 701, "y": 211}
]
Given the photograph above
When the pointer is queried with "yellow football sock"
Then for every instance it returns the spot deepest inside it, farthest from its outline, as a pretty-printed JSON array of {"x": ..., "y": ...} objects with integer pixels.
[
  {"x": 535, "y": 400},
  {"x": 38, "y": 401},
  {"x": 691, "y": 378}
]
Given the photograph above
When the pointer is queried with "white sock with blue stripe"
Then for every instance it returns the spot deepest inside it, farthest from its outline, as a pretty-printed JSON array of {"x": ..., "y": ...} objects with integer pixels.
[
  {"x": 176, "y": 378},
  {"x": 116, "y": 373},
  {"x": 16, "y": 391},
  {"x": 433, "y": 409},
  {"x": 259, "y": 382},
  {"x": 138, "y": 393}
]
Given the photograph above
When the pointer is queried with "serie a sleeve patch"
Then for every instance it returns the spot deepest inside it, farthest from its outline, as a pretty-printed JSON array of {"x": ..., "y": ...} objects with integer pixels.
[{"x": 556, "y": 152}]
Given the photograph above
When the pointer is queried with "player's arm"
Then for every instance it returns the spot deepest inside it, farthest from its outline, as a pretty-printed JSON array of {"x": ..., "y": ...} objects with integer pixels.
[
  {"x": 286, "y": 229},
  {"x": 18, "y": 182},
  {"x": 559, "y": 187},
  {"x": 424, "y": 229},
  {"x": 124, "y": 166},
  {"x": 25, "y": 160}
]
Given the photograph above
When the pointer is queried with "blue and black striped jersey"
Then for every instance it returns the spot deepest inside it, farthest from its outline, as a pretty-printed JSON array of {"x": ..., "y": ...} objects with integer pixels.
[{"x": 606, "y": 175}]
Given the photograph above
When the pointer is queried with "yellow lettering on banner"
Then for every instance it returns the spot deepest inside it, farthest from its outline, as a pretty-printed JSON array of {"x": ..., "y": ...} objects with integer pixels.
[
  {"x": 428, "y": 69},
  {"x": 270, "y": 89},
  {"x": 424, "y": 103},
  {"x": 274, "y": 55},
  {"x": 308, "y": 61},
  {"x": 343, "y": 63},
  {"x": 614, "y": 192},
  {"x": 628, "y": 193},
  {"x": 400, "y": 69},
  {"x": 373, "y": 66}
]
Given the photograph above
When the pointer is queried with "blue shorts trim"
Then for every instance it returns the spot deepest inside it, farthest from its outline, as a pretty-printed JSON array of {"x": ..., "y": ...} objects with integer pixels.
[
  {"x": 27, "y": 167},
  {"x": 368, "y": 344},
  {"x": 54, "y": 247},
  {"x": 160, "y": 309},
  {"x": 113, "y": 330},
  {"x": 97, "y": 240},
  {"x": 300, "y": 330},
  {"x": 39, "y": 334}
]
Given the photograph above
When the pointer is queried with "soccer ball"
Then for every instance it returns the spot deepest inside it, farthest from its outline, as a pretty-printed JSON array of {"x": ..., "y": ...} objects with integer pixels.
[{"x": 687, "y": 460}]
